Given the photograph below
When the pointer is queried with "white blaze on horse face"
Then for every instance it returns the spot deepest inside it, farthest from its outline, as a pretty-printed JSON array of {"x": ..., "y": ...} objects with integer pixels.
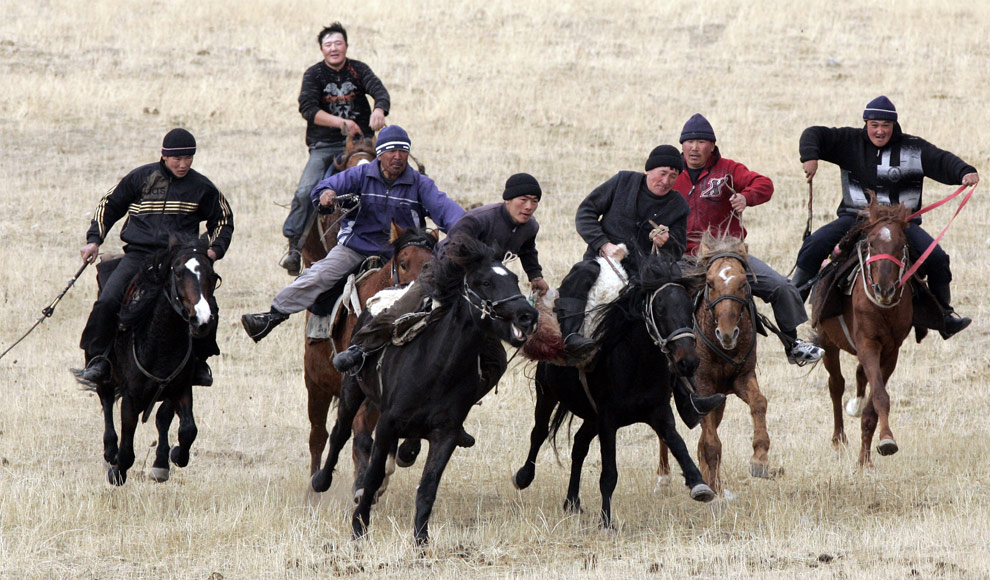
[
  {"x": 363, "y": 161},
  {"x": 500, "y": 270},
  {"x": 885, "y": 234},
  {"x": 725, "y": 278},
  {"x": 203, "y": 311}
]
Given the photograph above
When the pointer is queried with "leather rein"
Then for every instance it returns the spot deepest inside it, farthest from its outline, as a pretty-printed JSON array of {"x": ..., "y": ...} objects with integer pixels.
[{"x": 747, "y": 302}]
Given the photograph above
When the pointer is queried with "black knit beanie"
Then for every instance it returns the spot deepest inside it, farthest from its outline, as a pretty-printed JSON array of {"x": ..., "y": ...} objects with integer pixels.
[
  {"x": 697, "y": 127},
  {"x": 521, "y": 184},
  {"x": 665, "y": 156},
  {"x": 178, "y": 142},
  {"x": 880, "y": 109}
]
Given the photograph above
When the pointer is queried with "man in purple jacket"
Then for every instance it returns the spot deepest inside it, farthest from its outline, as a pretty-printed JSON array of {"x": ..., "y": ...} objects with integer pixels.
[{"x": 390, "y": 191}]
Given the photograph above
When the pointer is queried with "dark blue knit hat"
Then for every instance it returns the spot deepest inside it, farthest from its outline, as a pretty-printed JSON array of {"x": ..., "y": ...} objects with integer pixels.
[
  {"x": 178, "y": 142},
  {"x": 697, "y": 127},
  {"x": 880, "y": 109},
  {"x": 665, "y": 156},
  {"x": 521, "y": 184},
  {"x": 391, "y": 138}
]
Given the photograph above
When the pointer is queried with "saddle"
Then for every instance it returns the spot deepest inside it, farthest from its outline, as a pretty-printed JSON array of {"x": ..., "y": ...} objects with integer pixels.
[
  {"x": 836, "y": 281},
  {"x": 134, "y": 297},
  {"x": 329, "y": 310}
]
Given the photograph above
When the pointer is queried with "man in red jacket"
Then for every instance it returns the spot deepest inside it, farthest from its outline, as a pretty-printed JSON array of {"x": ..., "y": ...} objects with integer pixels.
[{"x": 718, "y": 190}]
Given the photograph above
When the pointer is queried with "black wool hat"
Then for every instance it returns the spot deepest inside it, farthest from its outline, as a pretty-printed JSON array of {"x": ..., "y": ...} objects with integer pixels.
[
  {"x": 697, "y": 127},
  {"x": 880, "y": 109},
  {"x": 178, "y": 142},
  {"x": 665, "y": 156},
  {"x": 521, "y": 184}
]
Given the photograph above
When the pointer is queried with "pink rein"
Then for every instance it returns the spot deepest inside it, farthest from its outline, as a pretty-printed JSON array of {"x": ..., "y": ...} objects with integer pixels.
[{"x": 924, "y": 256}]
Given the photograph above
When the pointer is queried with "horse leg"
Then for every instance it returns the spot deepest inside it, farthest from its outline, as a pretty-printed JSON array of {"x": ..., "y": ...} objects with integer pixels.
[
  {"x": 887, "y": 444},
  {"x": 364, "y": 425},
  {"x": 441, "y": 449},
  {"x": 662, "y": 421},
  {"x": 854, "y": 406},
  {"x": 610, "y": 473},
  {"x": 351, "y": 398},
  {"x": 878, "y": 403},
  {"x": 748, "y": 389},
  {"x": 318, "y": 398},
  {"x": 385, "y": 444},
  {"x": 582, "y": 440},
  {"x": 663, "y": 468},
  {"x": 117, "y": 474},
  {"x": 187, "y": 428},
  {"x": 710, "y": 449},
  {"x": 163, "y": 421},
  {"x": 545, "y": 403},
  {"x": 107, "y": 398},
  {"x": 836, "y": 387}
]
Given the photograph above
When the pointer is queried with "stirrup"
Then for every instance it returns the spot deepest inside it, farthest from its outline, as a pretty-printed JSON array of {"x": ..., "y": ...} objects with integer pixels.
[{"x": 802, "y": 353}]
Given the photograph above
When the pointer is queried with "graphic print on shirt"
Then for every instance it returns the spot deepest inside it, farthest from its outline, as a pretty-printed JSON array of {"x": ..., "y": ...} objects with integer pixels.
[
  {"x": 902, "y": 179},
  {"x": 340, "y": 98},
  {"x": 713, "y": 187}
]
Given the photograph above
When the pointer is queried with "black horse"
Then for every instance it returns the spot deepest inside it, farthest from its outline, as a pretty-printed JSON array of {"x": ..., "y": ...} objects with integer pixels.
[
  {"x": 171, "y": 305},
  {"x": 425, "y": 388},
  {"x": 645, "y": 343}
]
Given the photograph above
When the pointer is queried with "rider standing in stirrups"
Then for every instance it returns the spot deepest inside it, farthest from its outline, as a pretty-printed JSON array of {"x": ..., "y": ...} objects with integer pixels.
[
  {"x": 878, "y": 159},
  {"x": 158, "y": 199}
]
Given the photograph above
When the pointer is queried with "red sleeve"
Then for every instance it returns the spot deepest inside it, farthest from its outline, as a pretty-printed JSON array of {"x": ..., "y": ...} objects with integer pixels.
[{"x": 754, "y": 187}]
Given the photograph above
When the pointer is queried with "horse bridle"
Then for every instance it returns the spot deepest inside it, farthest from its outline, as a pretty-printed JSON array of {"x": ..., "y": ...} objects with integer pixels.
[
  {"x": 485, "y": 306},
  {"x": 654, "y": 331},
  {"x": 395, "y": 256},
  {"x": 747, "y": 303},
  {"x": 867, "y": 276}
]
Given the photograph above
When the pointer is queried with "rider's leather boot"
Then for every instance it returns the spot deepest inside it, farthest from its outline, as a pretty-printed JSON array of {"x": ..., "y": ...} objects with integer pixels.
[
  {"x": 258, "y": 326},
  {"x": 952, "y": 321}
]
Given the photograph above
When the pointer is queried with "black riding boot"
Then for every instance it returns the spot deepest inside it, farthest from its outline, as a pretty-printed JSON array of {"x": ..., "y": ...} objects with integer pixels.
[
  {"x": 953, "y": 322},
  {"x": 258, "y": 326},
  {"x": 292, "y": 261},
  {"x": 97, "y": 371},
  {"x": 692, "y": 408},
  {"x": 352, "y": 358},
  {"x": 802, "y": 278},
  {"x": 570, "y": 315},
  {"x": 202, "y": 375}
]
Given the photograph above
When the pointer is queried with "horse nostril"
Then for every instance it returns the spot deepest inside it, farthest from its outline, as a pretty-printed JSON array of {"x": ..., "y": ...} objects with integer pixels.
[
  {"x": 718, "y": 334},
  {"x": 735, "y": 334}
]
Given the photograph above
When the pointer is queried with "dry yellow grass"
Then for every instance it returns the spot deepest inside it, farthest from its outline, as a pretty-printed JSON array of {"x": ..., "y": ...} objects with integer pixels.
[{"x": 570, "y": 92}]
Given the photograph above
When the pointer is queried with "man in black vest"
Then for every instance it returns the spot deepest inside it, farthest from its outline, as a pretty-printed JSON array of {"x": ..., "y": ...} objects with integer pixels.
[{"x": 879, "y": 159}]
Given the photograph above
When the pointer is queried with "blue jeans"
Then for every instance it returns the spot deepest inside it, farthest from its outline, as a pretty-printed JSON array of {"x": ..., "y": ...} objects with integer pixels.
[{"x": 320, "y": 160}]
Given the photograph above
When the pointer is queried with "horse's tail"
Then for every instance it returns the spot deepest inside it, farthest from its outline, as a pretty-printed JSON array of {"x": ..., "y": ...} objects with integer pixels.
[{"x": 560, "y": 416}]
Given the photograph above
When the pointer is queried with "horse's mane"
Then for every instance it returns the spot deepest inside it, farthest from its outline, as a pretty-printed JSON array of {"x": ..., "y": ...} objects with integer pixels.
[
  {"x": 712, "y": 246},
  {"x": 654, "y": 272},
  {"x": 442, "y": 279},
  {"x": 151, "y": 279},
  {"x": 871, "y": 216}
]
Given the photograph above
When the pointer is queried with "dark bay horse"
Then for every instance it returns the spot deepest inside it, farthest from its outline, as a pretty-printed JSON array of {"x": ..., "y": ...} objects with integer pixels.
[
  {"x": 725, "y": 324},
  {"x": 645, "y": 343},
  {"x": 411, "y": 250},
  {"x": 170, "y": 305},
  {"x": 873, "y": 323},
  {"x": 426, "y": 387}
]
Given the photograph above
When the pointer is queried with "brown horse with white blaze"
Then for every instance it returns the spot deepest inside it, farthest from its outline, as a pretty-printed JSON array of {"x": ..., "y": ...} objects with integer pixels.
[
  {"x": 726, "y": 329},
  {"x": 874, "y": 321}
]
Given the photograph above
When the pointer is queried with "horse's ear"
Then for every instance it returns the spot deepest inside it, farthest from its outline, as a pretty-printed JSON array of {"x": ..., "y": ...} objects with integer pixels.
[
  {"x": 435, "y": 234},
  {"x": 874, "y": 207},
  {"x": 397, "y": 232},
  {"x": 704, "y": 246}
]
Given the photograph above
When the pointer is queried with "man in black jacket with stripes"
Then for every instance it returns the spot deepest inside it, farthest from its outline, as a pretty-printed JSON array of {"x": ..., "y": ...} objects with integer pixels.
[
  {"x": 158, "y": 199},
  {"x": 880, "y": 160}
]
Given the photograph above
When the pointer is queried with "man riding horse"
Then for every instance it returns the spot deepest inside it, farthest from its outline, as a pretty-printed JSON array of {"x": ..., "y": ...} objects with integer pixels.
[
  {"x": 159, "y": 199},
  {"x": 880, "y": 160},
  {"x": 334, "y": 101},
  {"x": 718, "y": 190},
  {"x": 390, "y": 191},
  {"x": 637, "y": 210}
]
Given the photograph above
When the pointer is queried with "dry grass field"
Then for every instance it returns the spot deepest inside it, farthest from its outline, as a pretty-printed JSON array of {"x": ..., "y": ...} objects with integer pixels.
[{"x": 571, "y": 92}]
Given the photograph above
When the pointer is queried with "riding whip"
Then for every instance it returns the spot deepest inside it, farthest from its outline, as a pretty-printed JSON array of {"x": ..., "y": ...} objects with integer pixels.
[{"x": 48, "y": 310}]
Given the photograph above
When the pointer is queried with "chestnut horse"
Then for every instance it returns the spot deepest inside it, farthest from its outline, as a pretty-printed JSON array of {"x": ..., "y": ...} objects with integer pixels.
[
  {"x": 725, "y": 325},
  {"x": 873, "y": 323}
]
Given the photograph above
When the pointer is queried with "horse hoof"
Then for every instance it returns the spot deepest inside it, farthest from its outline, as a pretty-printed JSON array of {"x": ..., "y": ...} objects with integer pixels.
[
  {"x": 764, "y": 471},
  {"x": 855, "y": 406},
  {"x": 573, "y": 506},
  {"x": 408, "y": 452},
  {"x": 159, "y": 474},
  {"x": 663, "y": 482},
  {"x": 702, "y": 492},
  {"x": 320, "y": 482},
  {"x": 115, "y": 476},
  {"x": 887, "y": 447},
  {"x": 179, "y": 457},
  {"x": 522, "y": 479}
]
